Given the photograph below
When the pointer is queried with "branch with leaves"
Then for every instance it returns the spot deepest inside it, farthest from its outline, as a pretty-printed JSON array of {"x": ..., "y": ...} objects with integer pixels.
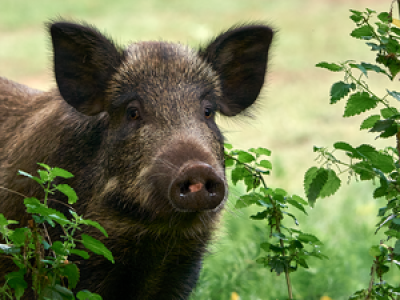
[{"x": 366, "y": 162}]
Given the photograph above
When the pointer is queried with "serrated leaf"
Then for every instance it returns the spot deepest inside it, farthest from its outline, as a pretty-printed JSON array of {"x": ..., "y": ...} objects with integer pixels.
[
  {"x": 365, "y": 170},
  {"x": 330, "y": 66},
  {"x": 332, "y": 184},
  {"x": 340, "y": 90},
  {"x": 369, "y": 122},
  {"x": 365, "y": 67},
  {"x": 68, "y": 191},
  {"x": 314, "y": 183},
  {"x": 97, "y": 247},
  {"x": 379, "y": 160},
  {"x": 299, "y": 199},
  {"x": 364, "y": 32},
  {"x": 358, "y": 103}
]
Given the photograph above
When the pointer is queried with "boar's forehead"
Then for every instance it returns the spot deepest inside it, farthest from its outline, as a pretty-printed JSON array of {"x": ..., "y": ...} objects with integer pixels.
[{"x": 164, "y": 75}]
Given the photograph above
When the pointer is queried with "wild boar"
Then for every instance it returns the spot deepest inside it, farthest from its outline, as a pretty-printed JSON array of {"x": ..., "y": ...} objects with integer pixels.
[{"x": 136, "y": 126}]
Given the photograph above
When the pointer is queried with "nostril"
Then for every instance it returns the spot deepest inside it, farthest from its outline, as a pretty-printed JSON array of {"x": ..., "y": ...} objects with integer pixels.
[
  {"x": 196, "y": 187},
  {"x": 211, "y": 188},
  {"x": 184, "y": 188}
]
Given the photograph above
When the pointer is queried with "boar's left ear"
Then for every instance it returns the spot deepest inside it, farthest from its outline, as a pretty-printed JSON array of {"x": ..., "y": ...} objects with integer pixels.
[
  {"x": 239, "y": 56},
  {"x": 84, "y": 61}
]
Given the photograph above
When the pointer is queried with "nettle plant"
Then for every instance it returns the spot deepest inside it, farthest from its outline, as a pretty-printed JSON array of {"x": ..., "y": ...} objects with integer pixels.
[
  {"x": 365, "y": 162},
  {"x": 288, "y": 248},
  {"x": 39, "y": 259}
]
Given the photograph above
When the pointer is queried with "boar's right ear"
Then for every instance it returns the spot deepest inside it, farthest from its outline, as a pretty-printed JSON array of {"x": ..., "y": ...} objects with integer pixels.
[
  {"x": 84, "y": 61},
  {"x": 239, "y": 56}
]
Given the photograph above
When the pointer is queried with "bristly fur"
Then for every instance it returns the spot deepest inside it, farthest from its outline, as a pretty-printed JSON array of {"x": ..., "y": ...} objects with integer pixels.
[{"x": 136, "y": 126}]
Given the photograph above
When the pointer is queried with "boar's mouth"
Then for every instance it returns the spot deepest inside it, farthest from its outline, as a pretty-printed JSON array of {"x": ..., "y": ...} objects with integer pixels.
[{"x": 196, "y": 187}]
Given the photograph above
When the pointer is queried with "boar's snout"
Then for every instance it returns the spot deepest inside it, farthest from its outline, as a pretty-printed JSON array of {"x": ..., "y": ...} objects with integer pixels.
[{"x": 196, "y": 187}]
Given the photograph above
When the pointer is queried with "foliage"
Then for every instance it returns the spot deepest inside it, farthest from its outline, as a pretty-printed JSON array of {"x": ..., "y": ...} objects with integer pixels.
[
  {"x": 366, "y": 162},
  {"x": 289, "y": 248},
  {"x": 41, "y": 261}
]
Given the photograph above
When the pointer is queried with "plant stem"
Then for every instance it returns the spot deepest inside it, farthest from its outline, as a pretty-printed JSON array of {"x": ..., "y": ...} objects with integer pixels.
[
  {"x": 287, "y": 275},
  {"x": 371, "y": 283}
]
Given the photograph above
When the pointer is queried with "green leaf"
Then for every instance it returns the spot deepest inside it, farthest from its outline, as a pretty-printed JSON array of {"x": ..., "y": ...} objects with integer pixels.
[
  {"x": 44, "y": 166},
  {"x": 58, "y": 172},
  {"x": 358, "y": 103},
  {"x": 369, "y": 122},
  {"x": 297, "y": 205},
  {"x": 261, "y": 151},
  {"x": 309, "y": 238},
  {"x": 379, "y": 160},
  {"x": 229, "y": 162},
  {"x": 332, "y": 184},
  {"x": 59, "y": 249},
  {"x": 247, "y": 200},
  {"x": 330, "y": 66},
  {"x": 365, "y": 67},
  {"x": 19, "y": 236},
  {"x": 344, "y": 146},
  {"x": 396, "y": 249},
  {"x": 95, "y": 225},
  {"x": 81, "y": 253},
  {"x": 86, "y": 295},
  {"x": 69, "y": 192},
  {"x": 374, "y": 251},
  {"x": 97, "y": 247},
  {"x": 228, "y": 146},
  {"x": 340, "y": 90},
  {"x": 365, "y": 170},
  {"x": 385, "y": 17},
  {"x": 364, "y": 32},
  {"x": 238, "y": 173},
  {"x": 314, "y": 182},
  {"x": 265, "y": 164},
  {"x": 245, "y": 157},
  {"x": 389, "y": 112},
  {"x": 71, "y": 271},
  {"x": 16, "y": 281},
  {"x": 299, "y": 199}
]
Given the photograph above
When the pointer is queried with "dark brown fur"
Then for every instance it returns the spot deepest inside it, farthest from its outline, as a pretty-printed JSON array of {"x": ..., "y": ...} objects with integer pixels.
[{"x": 124, "y": 165}]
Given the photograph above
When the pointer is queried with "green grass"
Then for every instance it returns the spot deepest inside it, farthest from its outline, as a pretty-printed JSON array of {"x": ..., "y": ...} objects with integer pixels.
[{"x": 292, "y": 116}]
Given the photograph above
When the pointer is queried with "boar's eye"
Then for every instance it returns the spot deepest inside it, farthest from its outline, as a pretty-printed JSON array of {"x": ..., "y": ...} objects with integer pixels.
[
  {"x": 133, "y": 114},
  {"x": 208, "y": 113}
]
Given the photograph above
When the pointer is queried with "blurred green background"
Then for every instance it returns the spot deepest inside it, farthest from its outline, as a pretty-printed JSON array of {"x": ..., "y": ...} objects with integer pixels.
[{"x": 293, "y": 115}]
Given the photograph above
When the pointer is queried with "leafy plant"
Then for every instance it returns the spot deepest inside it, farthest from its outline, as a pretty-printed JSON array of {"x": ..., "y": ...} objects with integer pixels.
[
  {"x": 36, "y": 256},
  {"x": 288, "y": 248},
  {"x": 365, "y": 162}
]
